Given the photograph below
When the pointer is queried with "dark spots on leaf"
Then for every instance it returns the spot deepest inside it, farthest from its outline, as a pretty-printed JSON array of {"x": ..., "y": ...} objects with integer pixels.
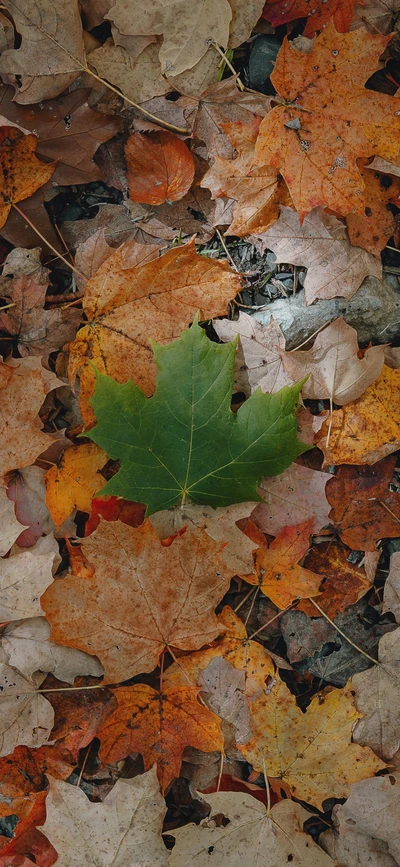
[{"x": 368, "y": 212}]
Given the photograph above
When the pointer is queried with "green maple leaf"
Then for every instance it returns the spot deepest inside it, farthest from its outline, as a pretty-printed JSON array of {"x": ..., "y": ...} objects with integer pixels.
[{"x": 185, "y": 443}]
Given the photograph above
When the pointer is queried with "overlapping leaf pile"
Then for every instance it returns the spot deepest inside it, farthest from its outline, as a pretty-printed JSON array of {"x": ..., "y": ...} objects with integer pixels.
[{"x": 199, "y": 526}]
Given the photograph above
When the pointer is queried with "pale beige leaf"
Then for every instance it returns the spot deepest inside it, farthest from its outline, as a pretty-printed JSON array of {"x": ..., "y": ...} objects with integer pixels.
[
  {"x": 367, "y": 827},
  {"x": 335, "y": 267},
  {"x": 138, "y": 79},
  {"x": 380, "y": 165},
  {"x": 29, "y": 649},
  {"x": 378, "y": 16},
  {"x": 295, "y": 496},
  {"x": 220, "y": 525},
  {"x": 123, "y": 831},
  {"x": 90, "y": 254},
  {"x": 24, "y": 577},
  {"x": 223, "y": 690},
  {"x": 258, "y": 359},
  {"x": 334, "y": 369},
  {"x": 251, "y": 837},
  {"x": 10, "y": 528},
  {"x": 244, "y": 18},
  {"x": 187, "y": 26},
  {"x": 24, "y": 384},
  {"x": 26, "y": 717},
  {"x": 377, "y": 693},
  {"x": 51, "y": 55},
  {"x": 391, "y": 590}
]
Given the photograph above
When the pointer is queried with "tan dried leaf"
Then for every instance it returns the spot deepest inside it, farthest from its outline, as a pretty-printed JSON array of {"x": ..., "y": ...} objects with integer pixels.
[
  {"x": 391, "y": 590},
  {"x": 377, "y": 695},
  {"x": 28, "y": 648},
  {"x": 258, "y": 358},
  {"x": 26, "y": 717},
  {"x": 24, "y": 577},
  {"x": 10, "y": 528}
]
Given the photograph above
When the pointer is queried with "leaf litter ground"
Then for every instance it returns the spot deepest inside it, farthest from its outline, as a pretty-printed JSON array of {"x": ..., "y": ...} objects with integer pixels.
[{"x": 225, "y": 669}]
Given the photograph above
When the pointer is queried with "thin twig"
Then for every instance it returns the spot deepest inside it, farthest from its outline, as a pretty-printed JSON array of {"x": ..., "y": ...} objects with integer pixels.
[
  {"x": 228, "y": 63},
  {"x": 6, "y": 306},
  {"x": 45, "y": 241},
  {"x": 227, "y": 251},
  {"x": 279, "y": 614},
  {"x": 83, "y": 765},
  {"x": 346, "y": 638}
]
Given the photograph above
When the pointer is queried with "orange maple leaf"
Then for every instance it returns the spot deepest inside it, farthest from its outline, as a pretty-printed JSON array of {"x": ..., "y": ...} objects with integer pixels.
[
  {"x": 318, "y": 13},
  {"x": 279, "y": 575},
  {"x": 21, "y": 173},
  {"x": 328, "y": 120},
  {"x": 160, "y": 168},
  {"x": 159, "y": 726}
]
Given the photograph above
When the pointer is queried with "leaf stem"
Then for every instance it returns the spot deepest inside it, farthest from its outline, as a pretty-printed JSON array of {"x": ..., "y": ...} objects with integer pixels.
[{"x": 228, "y": 63}]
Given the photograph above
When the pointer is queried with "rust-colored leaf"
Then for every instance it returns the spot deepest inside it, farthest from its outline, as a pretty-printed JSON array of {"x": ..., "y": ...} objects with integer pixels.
[
  {"x": 152, "y": 597},
  {"x": 160, "y": 167},
  {"x": 159, "y": 726},
  {"x": 343, "y": 583},
  {"x": 318, "y": 13}
]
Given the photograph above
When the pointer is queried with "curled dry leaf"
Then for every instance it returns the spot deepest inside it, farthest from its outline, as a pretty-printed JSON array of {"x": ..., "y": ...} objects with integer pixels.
[
  {"x": 125, "y": 828},
  {"x": 320, "y": 243},
  {"x": 293, "y": 497},
  {"x": 24, "y": 577},
  {"x": 279, "y": 575},
  {"x": 283, "y": 736},
  {"x": 375, "y": 419},
  {"x": 333, "y": 366},
  {"x": 364, "y": 509},
  {"x": 46, "y": 64},
  {"x": 129, "y": 306},
  {"x": 391, "y": 590},
  {"x": 160, "y": 167},
  {"x": 21, "y": 172},
  {"x": 258, "y": 358},
  {"x": 159, "y": 726},
  {"x": 257, "y": 190},
  {"x": 74, "y": 482},
  {"x": 377, "y": 696},
  {"x": 24, "y": 384},
  {"x": 345, "y": 122},
  {"x": 183, "y": 46},
  {"x": 28, "y": 648},
  {"x": 251, "y": 835},
  {"x": 10, "y": 527},
  {"x": 128, "y": 618}
]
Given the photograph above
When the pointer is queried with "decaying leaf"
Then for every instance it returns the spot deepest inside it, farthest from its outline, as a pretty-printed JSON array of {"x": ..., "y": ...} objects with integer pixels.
[
  {"x": 223, "y": 690},
  {"x": 127, "y": 618},
  {"x": 368, "y": 429},
  {"x": 366, "y": 826},
  {"x": 74, "y": 482},
  {"x": 293, "y": 497},
  {"x": 160, "y": 167},
  {"x": 318, "y": 14},
  {"x": 121, "y": 831},
  {"x": 250, "y": 835},
  {"x": 185, "y": 443},
  {"x": 328, "y": 120},
  {"x": 278, "y": 574},
  {"x": 313, "y": 752},
  {"x": 53, "y": 59},
  {"x": 159, "y": 726},
  {"x": 333, "y": 366},
  {"x": 343, "y": 582},
  {"x": 24, "y": 384},
  {"x": 372, "y": 230},
  {"x": 27, "y": 490},
  {"x": 26, "y": 717},
  {"x": 20, "y": 171},
  {"x": 127, "y": 307},
  {"x": 258, "y": 359},
  {"x": 377, "y": 697},
  {"x": 321, "y": 244},
  {"x": 24, "y": 577},
  {"x": 364, "y": 509}
]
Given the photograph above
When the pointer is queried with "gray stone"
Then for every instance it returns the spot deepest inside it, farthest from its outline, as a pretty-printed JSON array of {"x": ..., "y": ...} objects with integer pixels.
[{"x": 374, "y": 311}]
